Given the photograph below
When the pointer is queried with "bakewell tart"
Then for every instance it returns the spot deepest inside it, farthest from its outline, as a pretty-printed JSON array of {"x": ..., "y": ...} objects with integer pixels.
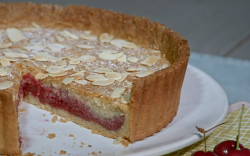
[{"x": 115, "y": 74}]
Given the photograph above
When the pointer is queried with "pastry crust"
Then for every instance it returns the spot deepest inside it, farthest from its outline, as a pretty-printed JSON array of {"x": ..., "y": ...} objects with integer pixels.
[{"x": 154, "y": 98}]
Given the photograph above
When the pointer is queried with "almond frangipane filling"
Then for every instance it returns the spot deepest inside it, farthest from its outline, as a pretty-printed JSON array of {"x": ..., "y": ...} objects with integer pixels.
[{"x": 103, "y": 64}]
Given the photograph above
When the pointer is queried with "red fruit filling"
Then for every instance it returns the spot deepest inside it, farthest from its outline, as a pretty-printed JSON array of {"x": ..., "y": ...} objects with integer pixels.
[{"x": 59, "y": 98}]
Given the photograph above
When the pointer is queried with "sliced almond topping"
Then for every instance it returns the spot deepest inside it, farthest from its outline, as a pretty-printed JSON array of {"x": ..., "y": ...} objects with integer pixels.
[
  {"x": 155, "y": 51},
  {"x": 13, "y": 55},
  {"x": 61, "y": 62},
  {"x": 133, "y": 74},
  {"x": 145, "y": 73},
  {"x": 149, "y": 61},
  {"x": 81, "y": 81},
  {"x": 122, "y": 58},
  {"x": 129, "y": 45},
  {"x": 12, "y": 59},
  {"x": 5, "y": 62},
  {"x": 123, "y": 77},
  {"x": 5, "y": 85},
  {"x": 105, "y": 37},
  {"x": 87, "y": 32},
  {"x": 14, "y": 34},
  {"x": 104, "y": 82},
  {"x": 58, "y": 74},
  {"x": 5, "y": 45},
  {"x": 41, "y": 58},
  {"x": 55, "y": 67},
  {"x": 39, "y": 76},
  {"x": 74, "y": 61},
  {"x": 118, "y": 42},
  {"x": 56, "y": 47},
  {"x": 126, "y": 98},
  {"x": 35, "y": 25},
  {"x": 117, "y": 93},
  {"x": 133, "y": 69},
  {"x": 78, "y": 75},
  {"x": 67, "y": 80},
  {"x": 117, "y": 55},
  {"x": 69, "y": 34},
  {"x": 35, "y": 47},
  {"x": 85, "y": 46},
  {"x": 132, "y": 59},
  {"x": 69, "y": 67},
  {"x": 4, "y": 72},
  {"x": 88, "y": 36},
  {"x": 87, "y": 68},
  {"x": 107, "y": 56},
  {"x": 109, "y": 51},
  {"x": 101, "y": 70},
  {"x": 52, "y": 59},
  {"x": 113, "y": 75},
  {"x": 165, "y": 66},
  {"x": 97, "y": 77},
  {"x": 59, "y": 38},
  {"x": 87, "y": 58}
]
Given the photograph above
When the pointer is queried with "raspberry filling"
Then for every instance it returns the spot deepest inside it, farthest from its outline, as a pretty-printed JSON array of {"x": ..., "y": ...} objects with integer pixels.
[{"x": 59, "y": 98}]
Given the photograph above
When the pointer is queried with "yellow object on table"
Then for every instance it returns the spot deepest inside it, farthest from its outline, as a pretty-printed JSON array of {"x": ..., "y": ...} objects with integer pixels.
[{"x": 224, "y": 132}]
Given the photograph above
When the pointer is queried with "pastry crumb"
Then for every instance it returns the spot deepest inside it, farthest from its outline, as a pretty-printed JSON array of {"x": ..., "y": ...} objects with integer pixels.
[
  {"x": 29, "y": 154},
  {"x": 122, "y": 141},
  {"x": 54, "y": 119},
  {"x": 71, "y": 135},
  {"x": 63, "y": 152},
  {"x": 22, "y": 110},
  {"x": 100, "y": 152},
  {"x": 44, "y": 114},
  {"x": 89, "y": 146},
  {"x": 52, "y": 135},
  {"x": 63, "y": 120}
]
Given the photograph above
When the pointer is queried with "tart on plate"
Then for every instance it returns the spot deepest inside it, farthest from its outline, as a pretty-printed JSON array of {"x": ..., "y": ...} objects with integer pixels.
[{"x": 116, "y": 74}]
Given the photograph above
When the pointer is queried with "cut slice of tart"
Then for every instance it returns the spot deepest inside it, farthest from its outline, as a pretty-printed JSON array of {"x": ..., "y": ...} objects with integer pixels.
[{"x": 116, "y": 74}]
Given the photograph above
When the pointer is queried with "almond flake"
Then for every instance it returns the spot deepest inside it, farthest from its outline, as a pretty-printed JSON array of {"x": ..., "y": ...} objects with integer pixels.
[
  {"x": 126, "y": 98},
  {"x": 165, "y": 66},
  {"x": 35, "y": 25},
  {"x": 5, "y": 62},
  {"x": 4, "y": 72},
  {"x": 97, "y": 77},
  {"x": 12, "y": 59},
  {"x": 149, "y": 61},
  {"x": 117, "y": 93},
  {"x": 5, "y": 85},
  {"x": 67, "y": 80},
  {"x": 104, "y": 82},
  {"x": 62, "y": 62},
  {"x": 122, "y": 58},
  {"x": 129, "y": 45},
  {"x": 123, "y": 77},
  {"x": 145, "y": 73},
  {"x": 85, "y": 46},
  {"x": 113, "y": 75},
  {"x": 74, "y": 61},
  {"x": 155, "y": 51},
  {"x": 88, "y": 37},
  {"x": 14, "y": 54},
  {"x": 78, "y": 75},
  {"x": 52, "y": 59},
  {"x": 59, "y": 38},
  {"x": 14, "y": 34},
  {"x": 58, "y": 74},
  {"x": 40, "y": 58},
  {"x": 39, "y": 76},
  {"x": 69, "y": 34},
  {"x": 105, "y": 37},
  {"x": 87, "y": 68},
  {"x": 54, "y": 67},
  {"x": 101, "y": 70},
  {"x": 5, "y": 45},
  {"x": 107, "y": 56},
  {"x": 56, "y": 47},
  {"x": 133, "y": 69},
  {"x": 117, "y": 55},
  {"x": 35, "y": 47},
  {"x": 109, "y": 51},
  {"x": 133, "y": 74},
  {"x": 81, "y": 81},
  {"x": 69, "y": 67},
  {"x": 118, "y": 42},
  {"x": 87, "y": 58},
  {"x": 87, "y": 32},
  {"x": 132, "y": 59}
]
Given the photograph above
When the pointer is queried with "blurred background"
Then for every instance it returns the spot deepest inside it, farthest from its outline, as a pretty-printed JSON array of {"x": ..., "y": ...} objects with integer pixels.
[{"x": 214, "y": 27}]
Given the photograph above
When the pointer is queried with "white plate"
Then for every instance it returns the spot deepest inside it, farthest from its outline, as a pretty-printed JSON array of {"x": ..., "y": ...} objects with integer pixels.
[{"x": 203, "y": 103}]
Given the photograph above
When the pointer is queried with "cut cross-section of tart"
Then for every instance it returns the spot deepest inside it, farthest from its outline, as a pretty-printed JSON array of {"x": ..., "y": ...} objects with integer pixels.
[{"x": 116, "y": 74}]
